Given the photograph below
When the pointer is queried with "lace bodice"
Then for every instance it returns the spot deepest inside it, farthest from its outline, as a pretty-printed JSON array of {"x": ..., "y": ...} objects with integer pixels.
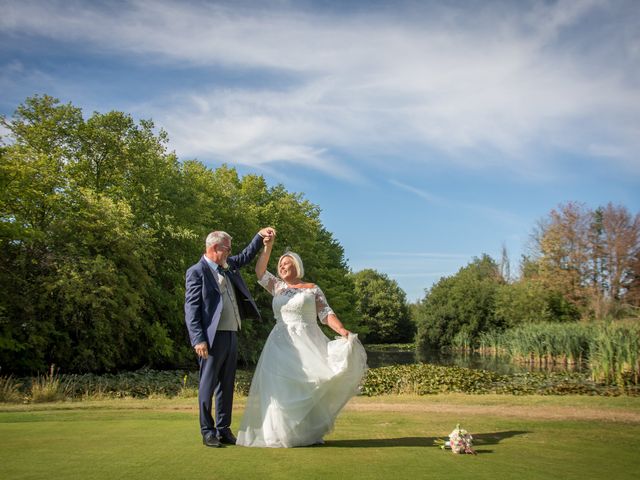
[{"x": 295, "y": 305}]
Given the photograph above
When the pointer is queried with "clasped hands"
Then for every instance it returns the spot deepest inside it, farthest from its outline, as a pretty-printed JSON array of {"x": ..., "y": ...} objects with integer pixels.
[{"x": 268, "y": 235}]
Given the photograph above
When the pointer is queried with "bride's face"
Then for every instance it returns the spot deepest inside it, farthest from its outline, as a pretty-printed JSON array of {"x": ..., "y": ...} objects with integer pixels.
[{"x": 287, "y": 269}]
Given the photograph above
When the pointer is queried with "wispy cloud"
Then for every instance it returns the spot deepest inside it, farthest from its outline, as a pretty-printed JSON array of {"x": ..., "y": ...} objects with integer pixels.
[
  {"x": 253, "y": 128},
  {"x": 419, "y": 274},
  {"x": 429, "y": 197},
  {"x": 493, "y": 85},
  {"x": 496, "y": 214},
  {"x": 432, "y": 255}
]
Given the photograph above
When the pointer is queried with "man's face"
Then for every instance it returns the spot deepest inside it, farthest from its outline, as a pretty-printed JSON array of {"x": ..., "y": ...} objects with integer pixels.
[{"x": 222, "y": 250}]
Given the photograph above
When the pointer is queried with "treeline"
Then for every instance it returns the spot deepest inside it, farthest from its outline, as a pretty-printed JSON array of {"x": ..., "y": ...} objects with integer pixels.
[
  {"x": 98, "y": 223},
  {"x": 585, "y": 264}
]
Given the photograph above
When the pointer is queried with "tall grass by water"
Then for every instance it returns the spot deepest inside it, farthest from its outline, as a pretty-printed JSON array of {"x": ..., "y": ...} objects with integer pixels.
[
  {"x": 614, "y": 353},
  {"x": 611, "y": 349}
]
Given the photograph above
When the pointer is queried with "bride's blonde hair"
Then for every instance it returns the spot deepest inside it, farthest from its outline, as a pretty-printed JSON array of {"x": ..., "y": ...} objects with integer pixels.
[{"x": 297, "y": 261}]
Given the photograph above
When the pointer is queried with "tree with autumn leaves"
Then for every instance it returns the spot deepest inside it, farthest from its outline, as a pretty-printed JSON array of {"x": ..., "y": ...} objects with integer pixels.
[{"x": 590, "y": 256}]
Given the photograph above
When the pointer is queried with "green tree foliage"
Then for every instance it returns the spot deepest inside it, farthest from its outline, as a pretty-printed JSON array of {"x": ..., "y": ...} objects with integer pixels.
[
  {"x": 464, "y": 302},
  {"x": 529, "y": 301},
  {"x": 99, "y": 222},
  {"x": 522, "y": 302},
  {"x": 382, "y": 305}
]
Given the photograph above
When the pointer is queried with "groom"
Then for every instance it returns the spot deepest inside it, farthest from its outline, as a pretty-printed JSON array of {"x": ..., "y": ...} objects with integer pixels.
[{"x": 216, "y": 302}]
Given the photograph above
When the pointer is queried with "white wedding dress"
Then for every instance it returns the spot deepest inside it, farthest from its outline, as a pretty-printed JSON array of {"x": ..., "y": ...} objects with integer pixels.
[{"x": 302, "y": 379}]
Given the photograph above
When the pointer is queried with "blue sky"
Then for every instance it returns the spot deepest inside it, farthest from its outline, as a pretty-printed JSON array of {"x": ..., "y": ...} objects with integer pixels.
[{"x": 428, "y": 132}]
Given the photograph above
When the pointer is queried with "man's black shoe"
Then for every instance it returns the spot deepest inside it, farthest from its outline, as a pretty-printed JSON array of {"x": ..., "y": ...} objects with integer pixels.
[
  {"x": 227, "y": 437},
  {"x": 210, "y": 440}
]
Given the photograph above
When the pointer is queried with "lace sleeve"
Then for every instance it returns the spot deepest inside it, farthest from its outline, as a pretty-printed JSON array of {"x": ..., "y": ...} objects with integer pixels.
[
  {"x": 271, "y": 283},
  {"x": 322, "y": 307}
]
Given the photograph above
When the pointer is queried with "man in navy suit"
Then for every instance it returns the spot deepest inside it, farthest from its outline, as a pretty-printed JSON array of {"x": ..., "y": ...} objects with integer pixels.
[{"x": 216, "y": 302}]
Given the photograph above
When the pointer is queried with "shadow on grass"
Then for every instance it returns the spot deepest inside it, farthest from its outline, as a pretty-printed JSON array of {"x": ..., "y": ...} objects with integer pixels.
[
  {"x": 482, "y": 439},
  {"x": 479, "y": 440},
  {"x": 383, "y": 442}
]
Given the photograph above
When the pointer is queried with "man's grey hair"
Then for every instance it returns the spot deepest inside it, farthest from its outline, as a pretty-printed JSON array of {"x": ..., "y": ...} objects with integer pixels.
[{"x": 217, "y": 238}]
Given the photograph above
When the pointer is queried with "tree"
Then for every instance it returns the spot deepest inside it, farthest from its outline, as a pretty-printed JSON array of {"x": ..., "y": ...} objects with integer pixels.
[
  {"x": 33, "y": 181},
  {"x": 505, "y": 264},
  {"x": 620, "y": 246},
  {"x": 633, "y": 294},
  {"x": 464, "y": 301},
  {"x": 98, "y": 288},
  {"x": 529, "y": 301},
  {"x": 76, "y": 258},
  {"x": 564, "y": 251},
  {"x": 588, "y": 255},
  {"x": 382, "y": 305}
]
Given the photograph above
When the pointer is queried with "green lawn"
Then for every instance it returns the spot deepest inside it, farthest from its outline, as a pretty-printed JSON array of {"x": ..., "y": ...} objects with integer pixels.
[{"x": 380, "y": 437}]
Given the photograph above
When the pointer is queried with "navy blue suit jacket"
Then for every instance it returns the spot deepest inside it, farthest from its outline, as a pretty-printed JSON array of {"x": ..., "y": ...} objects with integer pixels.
[{"x": 203, "y": 302}]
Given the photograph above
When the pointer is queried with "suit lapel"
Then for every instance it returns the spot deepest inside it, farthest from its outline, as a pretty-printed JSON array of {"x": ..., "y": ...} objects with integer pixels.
[{"x": 209, "y": 274}]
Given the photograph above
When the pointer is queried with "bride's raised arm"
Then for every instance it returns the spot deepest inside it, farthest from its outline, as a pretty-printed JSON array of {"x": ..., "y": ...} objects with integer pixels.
[{"x": 263, "y": 259}]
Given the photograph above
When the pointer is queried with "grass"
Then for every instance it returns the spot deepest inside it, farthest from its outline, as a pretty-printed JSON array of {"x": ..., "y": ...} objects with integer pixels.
[{"x": 532, "y": 437}]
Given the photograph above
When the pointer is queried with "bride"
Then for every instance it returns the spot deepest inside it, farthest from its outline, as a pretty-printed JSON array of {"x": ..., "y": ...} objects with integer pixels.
[{"x": 302, "y": 379}]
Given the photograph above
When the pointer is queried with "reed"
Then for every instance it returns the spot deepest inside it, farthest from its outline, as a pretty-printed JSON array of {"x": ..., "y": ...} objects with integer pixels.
[
  {"x": 491, "y": 342},
  {"x": 612, "y": 348},
  {"x": 49, "y": 388},
  {"x": 547, "y": 343},
  {"x": 463, "y": 341},
  {"x": 10, "y": 390},
  {"x": 615, "y": 353}
]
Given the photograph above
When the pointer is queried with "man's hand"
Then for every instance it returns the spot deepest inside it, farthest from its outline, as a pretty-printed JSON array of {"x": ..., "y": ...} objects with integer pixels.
[
  {"x": 268, "y": 232},
  {"x": 202, "y": 350}
]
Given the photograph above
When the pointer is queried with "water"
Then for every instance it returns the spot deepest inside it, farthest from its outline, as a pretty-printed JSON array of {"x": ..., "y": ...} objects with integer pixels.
[
  {"x": 501, "y": 365},
  {"x": 377, "y": 359}
]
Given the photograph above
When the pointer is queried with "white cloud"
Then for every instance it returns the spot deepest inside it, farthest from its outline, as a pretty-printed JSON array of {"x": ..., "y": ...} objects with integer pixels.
[{"x": 493, "y": 85}]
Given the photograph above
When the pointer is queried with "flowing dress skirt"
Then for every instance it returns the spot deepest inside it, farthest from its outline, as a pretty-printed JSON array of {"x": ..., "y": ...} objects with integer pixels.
[{"x": 301, "y": 383}]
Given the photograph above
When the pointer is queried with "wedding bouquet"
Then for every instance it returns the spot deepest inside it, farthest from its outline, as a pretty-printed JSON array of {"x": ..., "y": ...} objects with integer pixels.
[{"x": 460, "y": 441}]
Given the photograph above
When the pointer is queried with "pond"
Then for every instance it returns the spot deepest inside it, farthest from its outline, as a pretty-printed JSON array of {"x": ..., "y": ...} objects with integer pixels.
[{"x": 503, "y": 365}]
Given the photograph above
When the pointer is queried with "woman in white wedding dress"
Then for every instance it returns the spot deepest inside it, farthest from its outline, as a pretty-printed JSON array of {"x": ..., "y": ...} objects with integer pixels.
[{"x": 302, "y": 379}]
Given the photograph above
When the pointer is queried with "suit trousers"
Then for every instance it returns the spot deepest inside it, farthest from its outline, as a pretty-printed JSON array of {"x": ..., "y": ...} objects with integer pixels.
[{"x": 217, "y": 377}]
